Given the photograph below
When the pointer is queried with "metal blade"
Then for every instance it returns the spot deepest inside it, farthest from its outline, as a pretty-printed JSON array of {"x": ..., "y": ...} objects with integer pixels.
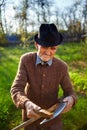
[
  {"x": 32, "y": 120},
  {"x": 56, "y": 113}
]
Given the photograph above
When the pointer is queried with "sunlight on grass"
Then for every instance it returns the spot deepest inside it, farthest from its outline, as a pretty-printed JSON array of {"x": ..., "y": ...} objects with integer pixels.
[
  {"x": 75, "y": 121},
  {"x": 75, "y": 55}
]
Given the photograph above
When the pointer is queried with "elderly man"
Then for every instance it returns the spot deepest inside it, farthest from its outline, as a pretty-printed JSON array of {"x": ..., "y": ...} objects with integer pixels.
[{"x": 39, "y": 75}]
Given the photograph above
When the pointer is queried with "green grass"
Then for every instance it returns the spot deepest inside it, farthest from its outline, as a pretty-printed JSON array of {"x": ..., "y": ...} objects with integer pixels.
[
  {"x": 76, "y": 57},
  {"x": 9, "y": 58},
  {"x": 76, "y": 118}
]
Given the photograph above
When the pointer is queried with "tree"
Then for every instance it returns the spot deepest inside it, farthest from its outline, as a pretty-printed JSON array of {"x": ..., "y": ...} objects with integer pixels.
[
  {"x": 3, "y": 40},
  {"x": 72, "y": 17},
  {"x": 84, "y": 13},
  {"x": 42, "y": 9},
  {"x": 1, "y": 24}
]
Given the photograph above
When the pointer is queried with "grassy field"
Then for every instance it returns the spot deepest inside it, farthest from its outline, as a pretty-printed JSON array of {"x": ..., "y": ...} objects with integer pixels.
[{"x": 75, "y": 54}]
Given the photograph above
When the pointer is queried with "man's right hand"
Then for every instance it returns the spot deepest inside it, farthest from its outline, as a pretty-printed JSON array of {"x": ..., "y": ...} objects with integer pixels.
[{"x": 31, "y": 108}]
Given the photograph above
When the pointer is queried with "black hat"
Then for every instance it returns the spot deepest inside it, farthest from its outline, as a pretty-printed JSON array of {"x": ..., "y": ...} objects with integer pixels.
[{"x": 48, "y": 35}]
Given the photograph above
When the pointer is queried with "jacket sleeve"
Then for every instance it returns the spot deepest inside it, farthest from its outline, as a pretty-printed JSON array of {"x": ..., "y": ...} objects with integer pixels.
[
  {"x": 67, "y": 85},
  {"x": 17, "y": 89}
]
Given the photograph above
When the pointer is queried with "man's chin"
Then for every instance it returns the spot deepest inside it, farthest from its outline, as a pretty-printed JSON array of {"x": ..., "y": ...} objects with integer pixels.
[{"x": 45, "y": 60}]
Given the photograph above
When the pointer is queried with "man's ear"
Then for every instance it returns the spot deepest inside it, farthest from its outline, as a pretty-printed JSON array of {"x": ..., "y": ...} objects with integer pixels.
[{"x": 36, "y": 45}]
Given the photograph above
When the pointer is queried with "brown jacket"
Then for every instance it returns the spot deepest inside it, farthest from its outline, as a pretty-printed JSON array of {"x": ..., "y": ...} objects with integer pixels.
[{"x": 40, "y": 83}]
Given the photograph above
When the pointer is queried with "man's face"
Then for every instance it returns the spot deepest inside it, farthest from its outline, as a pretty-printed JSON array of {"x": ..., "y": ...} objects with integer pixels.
[{"x": 46, "y": 53}]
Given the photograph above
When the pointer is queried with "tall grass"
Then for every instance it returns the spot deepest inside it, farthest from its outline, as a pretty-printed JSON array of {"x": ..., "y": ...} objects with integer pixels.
[{"x": 76, "y": 57}]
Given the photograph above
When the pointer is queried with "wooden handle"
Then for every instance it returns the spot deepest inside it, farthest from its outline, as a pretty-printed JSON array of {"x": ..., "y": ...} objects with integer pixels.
[
  {"x": 44, "y": 113},
  {"x": 30, "y": 121}
]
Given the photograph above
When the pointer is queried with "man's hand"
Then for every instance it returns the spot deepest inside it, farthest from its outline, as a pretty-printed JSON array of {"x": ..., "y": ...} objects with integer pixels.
[
  {"x": 70, "y": 102},
  {"x": 31, "y": 108}
]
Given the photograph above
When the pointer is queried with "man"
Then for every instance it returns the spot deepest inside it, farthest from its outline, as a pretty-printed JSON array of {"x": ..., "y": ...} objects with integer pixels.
[{"x": 39, "y": 75}]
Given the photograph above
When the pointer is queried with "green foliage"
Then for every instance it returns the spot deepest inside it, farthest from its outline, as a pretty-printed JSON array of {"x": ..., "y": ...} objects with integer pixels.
[
  {"x": 3, "y": 40},
  {"x": 9, "y": 58},
  {"x": 4, "y": 109},
  {"x": 29, "y": 41},
  {"x": 76, "y": 118},
  {"x": 74, "y": 54},
  {"x": 80, "y": 81}
]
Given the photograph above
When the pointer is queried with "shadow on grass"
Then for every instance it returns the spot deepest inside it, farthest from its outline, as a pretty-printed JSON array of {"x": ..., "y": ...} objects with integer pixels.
[{"x": 84, "y": 127}]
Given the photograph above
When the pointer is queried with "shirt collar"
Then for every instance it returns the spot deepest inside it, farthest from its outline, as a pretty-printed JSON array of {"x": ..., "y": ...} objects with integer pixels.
[{"x": 39, "y": 61}]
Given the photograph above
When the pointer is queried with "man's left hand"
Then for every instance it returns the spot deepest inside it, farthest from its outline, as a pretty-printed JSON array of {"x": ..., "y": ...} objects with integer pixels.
[{"x": 70, "y": 102}]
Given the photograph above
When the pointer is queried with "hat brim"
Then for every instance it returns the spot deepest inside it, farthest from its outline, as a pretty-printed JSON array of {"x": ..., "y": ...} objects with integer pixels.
[{"x": 46, "y": 44}]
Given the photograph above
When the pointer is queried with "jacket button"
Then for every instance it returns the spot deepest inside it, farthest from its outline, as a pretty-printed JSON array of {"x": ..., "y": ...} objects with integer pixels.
[
  {"x": 44, "y": 75},
  {"x": 42, "y": 86}
]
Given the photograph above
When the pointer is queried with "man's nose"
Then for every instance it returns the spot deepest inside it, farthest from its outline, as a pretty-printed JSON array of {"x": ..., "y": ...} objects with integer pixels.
[{"x": 48, "y": 50}]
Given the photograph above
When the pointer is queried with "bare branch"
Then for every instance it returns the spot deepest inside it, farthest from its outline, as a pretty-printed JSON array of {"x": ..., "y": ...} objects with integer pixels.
[{"x": 2, "y": 2}]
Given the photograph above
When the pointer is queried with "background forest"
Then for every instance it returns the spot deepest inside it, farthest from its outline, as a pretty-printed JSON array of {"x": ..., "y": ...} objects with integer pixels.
[
  {"x": 19, "y": 21},
  {"x": 20, "y": 17}
]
